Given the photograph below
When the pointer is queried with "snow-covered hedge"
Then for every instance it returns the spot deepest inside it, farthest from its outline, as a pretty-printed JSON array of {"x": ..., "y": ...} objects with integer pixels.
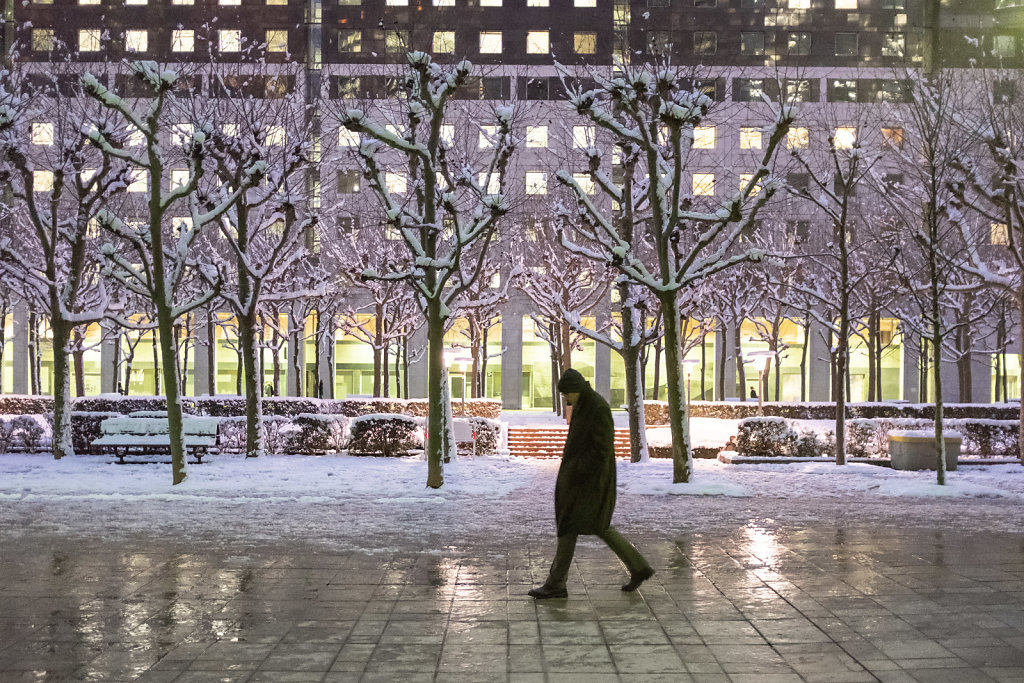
[
  {"x": 319, "y": 434},
  {"x": 22, "y": 404},
  {"x": 656, "y": 412},
  {"x": 26, "y": 433},
  {"x": 385, "y": 434},
  {"x": 765, "y": 437},
  {"x": 488, "y": 436},
  {"x": 417, "y": 407},
  {"x": 85, "y": 428},
  {"x": 277, "y": 433}
]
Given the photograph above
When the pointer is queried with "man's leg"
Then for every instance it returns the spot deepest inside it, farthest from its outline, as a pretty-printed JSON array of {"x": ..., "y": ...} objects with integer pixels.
[
  {"x": 625, "y": 550},
  {"x": 562, "y": 563},
  {"x": 639, "y": 569}
]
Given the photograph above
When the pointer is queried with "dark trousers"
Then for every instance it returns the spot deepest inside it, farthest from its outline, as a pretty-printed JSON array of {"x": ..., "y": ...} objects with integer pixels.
[{"x": 622, "y": 548}]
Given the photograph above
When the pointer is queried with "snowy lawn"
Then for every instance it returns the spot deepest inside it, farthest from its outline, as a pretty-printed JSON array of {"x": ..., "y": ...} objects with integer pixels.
[{"x": 377, "y": 503}]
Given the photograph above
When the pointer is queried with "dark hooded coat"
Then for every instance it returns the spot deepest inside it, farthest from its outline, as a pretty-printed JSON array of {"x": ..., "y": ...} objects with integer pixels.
[{"x": 585, "y": 488}]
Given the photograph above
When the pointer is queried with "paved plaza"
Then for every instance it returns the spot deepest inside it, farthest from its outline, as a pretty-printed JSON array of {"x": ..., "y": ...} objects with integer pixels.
[{"x": 761, "y": 603}]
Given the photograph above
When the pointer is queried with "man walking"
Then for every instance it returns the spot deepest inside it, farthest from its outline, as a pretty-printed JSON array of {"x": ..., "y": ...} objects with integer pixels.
[{"x": 585, "y": 488}]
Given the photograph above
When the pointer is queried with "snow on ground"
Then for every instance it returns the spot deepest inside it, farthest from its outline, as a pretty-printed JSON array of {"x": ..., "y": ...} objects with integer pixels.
[{"x": 370, "y": 504}]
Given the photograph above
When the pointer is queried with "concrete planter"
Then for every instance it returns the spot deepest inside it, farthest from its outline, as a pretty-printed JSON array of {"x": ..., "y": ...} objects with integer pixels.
[{"x": 911, "y": 449}]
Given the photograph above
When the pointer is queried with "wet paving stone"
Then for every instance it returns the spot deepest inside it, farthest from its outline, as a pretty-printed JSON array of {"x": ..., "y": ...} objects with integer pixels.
[{"x": 777, "y": 605}]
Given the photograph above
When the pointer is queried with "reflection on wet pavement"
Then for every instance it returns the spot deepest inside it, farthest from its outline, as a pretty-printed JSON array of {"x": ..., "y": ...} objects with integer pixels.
[{"x": 761, "y": 603}]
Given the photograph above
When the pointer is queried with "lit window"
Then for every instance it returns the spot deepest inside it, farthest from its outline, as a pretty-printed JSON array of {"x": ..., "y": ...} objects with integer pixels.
[
  {"x": 183, "y": 40},
  {"x": 750, "y": 138},
  {"x": 705, "y": 42},
  {"x": 277, "y": 2},
  {"x": 448, "y": 134},
  {"x": 894, "y": 44},
  {"x": 277, "y": 40},
  {"x": 444, "y": 3},
  {"x": 136, "y": 138},
  {"x": 181, "y": 133},
  {"x": 87, "y": 174},
  {"x": 745, "y": 179},
  {"x": 351, "y": 40},
  {"x": 999, "y": 234},
  {"x": 537, "y": 3},
  {"x": 487, "y": 136},
  {"x": 536, "y": 136},
  {"x": 396, "y": 42},
  {"x": 42, "y": 181},
  {"x": 892, "y": 137},
  {"x": 798, "y": 138},
  {"x": 347, "y": 138},
  {"x": 704, "y": 184},
  {"x": 846, "y": 4},
  {"x": 846, "y": 137},
  {"x": 42, "y": 39},
  {"x": 583, "y": 137},
  {"x": 397, "y": 3},
  {"x": 798, "y": 90},
  {"x": 182, "y": 2},
  {"x": 537, "y": 43},
  {"x": 444, "y": 42},
  {"x": 585, "y": 182},
  {"x": 179, "y": 178},
  {"x": 1004, "y": 47},
  {"x": 492, "y": 183},
  {"x": 230, "y": 129},
  {"x": 42, "y": 134},
  {"x": 275, "y": 136},
  {"x": 798, "y": 4},
  {"x": 89, "y": 40},
  {"x": 138, "y": 180},
  {"x": 584, "y": 43},
  {"x": 704, "y": 137},
  {"x": 230, "y": 40},
  {"x": 490, "y": 42},
  {"x": 395, "y": 182},
  {"x": 490, "y": 3},
  {"x": 229, "y": 2},
  {"x": 536, "y": 182},
  {"x": 135, "y": 2},
  {"x": 88, "y": 2},
  {"x": 584, "y": 3},
  {"x": 798, "y": 44}
]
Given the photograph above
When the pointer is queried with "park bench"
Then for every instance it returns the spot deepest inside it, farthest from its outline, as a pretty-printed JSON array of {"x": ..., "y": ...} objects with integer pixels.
[{"x": 146, "y": 433}]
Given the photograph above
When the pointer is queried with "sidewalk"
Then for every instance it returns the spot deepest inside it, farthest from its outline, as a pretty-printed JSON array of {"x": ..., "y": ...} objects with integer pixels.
[{"x": 762, "y": 603}]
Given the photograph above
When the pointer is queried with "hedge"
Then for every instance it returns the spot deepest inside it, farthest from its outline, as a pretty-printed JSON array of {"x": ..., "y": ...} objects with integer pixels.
[
  {"x": 656, "y": 412},
  {"x": 386, "y": 435}
]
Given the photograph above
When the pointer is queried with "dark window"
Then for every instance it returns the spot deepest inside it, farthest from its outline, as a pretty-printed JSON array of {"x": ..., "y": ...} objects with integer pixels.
[
  {"x": 495, "y": 88},
  {"x": 893, "y": 90},
  {"x": 748, "y": 89},
  {"x": 705, "y": 3},
  {"x": 752, "y": 43},
  {"x": 659, "y": 43},
  {"x": 1004, "y": 91},
  {"x": 659, "y": 3},
  {"x": 894, "y": 44},
  {"x": 350, "y": 40},
  {"x": 349, "y": 182},
  {"x": 705, "y": 42},
  {"x": 894, "y": 4},
  {"x": 798, "y": 181},
  {"x": 345, "y": 87},
  {"x": 799, "y": 90},
  {"x": 842, "y": 90},
  {"x": 846, "y": 45},
  {"x": 799, "y": 232},
  {"x": 537, "y": 89},
  {"x": 752, "y": 4},
  {"x": 798, "y": 44}
]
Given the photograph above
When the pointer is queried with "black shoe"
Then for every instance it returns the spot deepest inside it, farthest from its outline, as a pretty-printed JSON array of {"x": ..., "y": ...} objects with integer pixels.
[
  {"x": 636, "y": 579},
  {"x": 546, "y": 591}
]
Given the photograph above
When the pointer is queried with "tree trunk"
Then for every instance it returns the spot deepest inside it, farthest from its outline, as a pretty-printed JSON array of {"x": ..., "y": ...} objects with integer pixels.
[
  {"x": 156, "y": 358},
  {"x": 741, "y": 372},
  {"x": 721, "y": 356},
  {"x": 296, "y": 329},
  {"x": 405, "y": 365},
  {"x": 62, "y": 444},
  {"x": 484, "y": 334},
  {"x": 963, "y": 363},
  {"x": 703, "y": 364},
  {"x": 936, "y": 313},
  {"x": 632, "y": 363},
  {"x": 254, "y": 446},
  {"x": 378, "y": 344},
  {"x": 682, "y": 466},
  {"x": 276, "y": 341},
  {"x": 842, "y": 355},
  {"x": 79, "y": 346},
  {"x": 4, "y": 310},
  {"x": 656, "y": 390},
  {"x": 33, "y": 354},
  {"x": 1020, "y": 365},
  {"x": 556, "y": 403},
  {"x": 398, "y": 363},
  {"x": 239, "y": 371},
  {"x": 211, "y": 351},
  {"x": 871, "y": 357},
  {"x": 436, "y": 410}
]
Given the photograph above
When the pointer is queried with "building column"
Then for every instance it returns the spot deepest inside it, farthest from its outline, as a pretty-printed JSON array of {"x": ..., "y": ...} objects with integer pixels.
[
  {"x": 511, "y": 358},
  {"x": 603, "y": 361},
  {"x": 950, "y": 381},
  {"x": 819, "y": 371},
  {"x": 108, "y": 357},
  {"x": 418, "y": 363},
  {"x": 19, "y": 349}
]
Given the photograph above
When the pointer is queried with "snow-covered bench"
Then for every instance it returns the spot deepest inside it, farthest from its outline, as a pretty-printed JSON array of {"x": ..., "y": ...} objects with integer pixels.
[{"x": 147, "y": 434}]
